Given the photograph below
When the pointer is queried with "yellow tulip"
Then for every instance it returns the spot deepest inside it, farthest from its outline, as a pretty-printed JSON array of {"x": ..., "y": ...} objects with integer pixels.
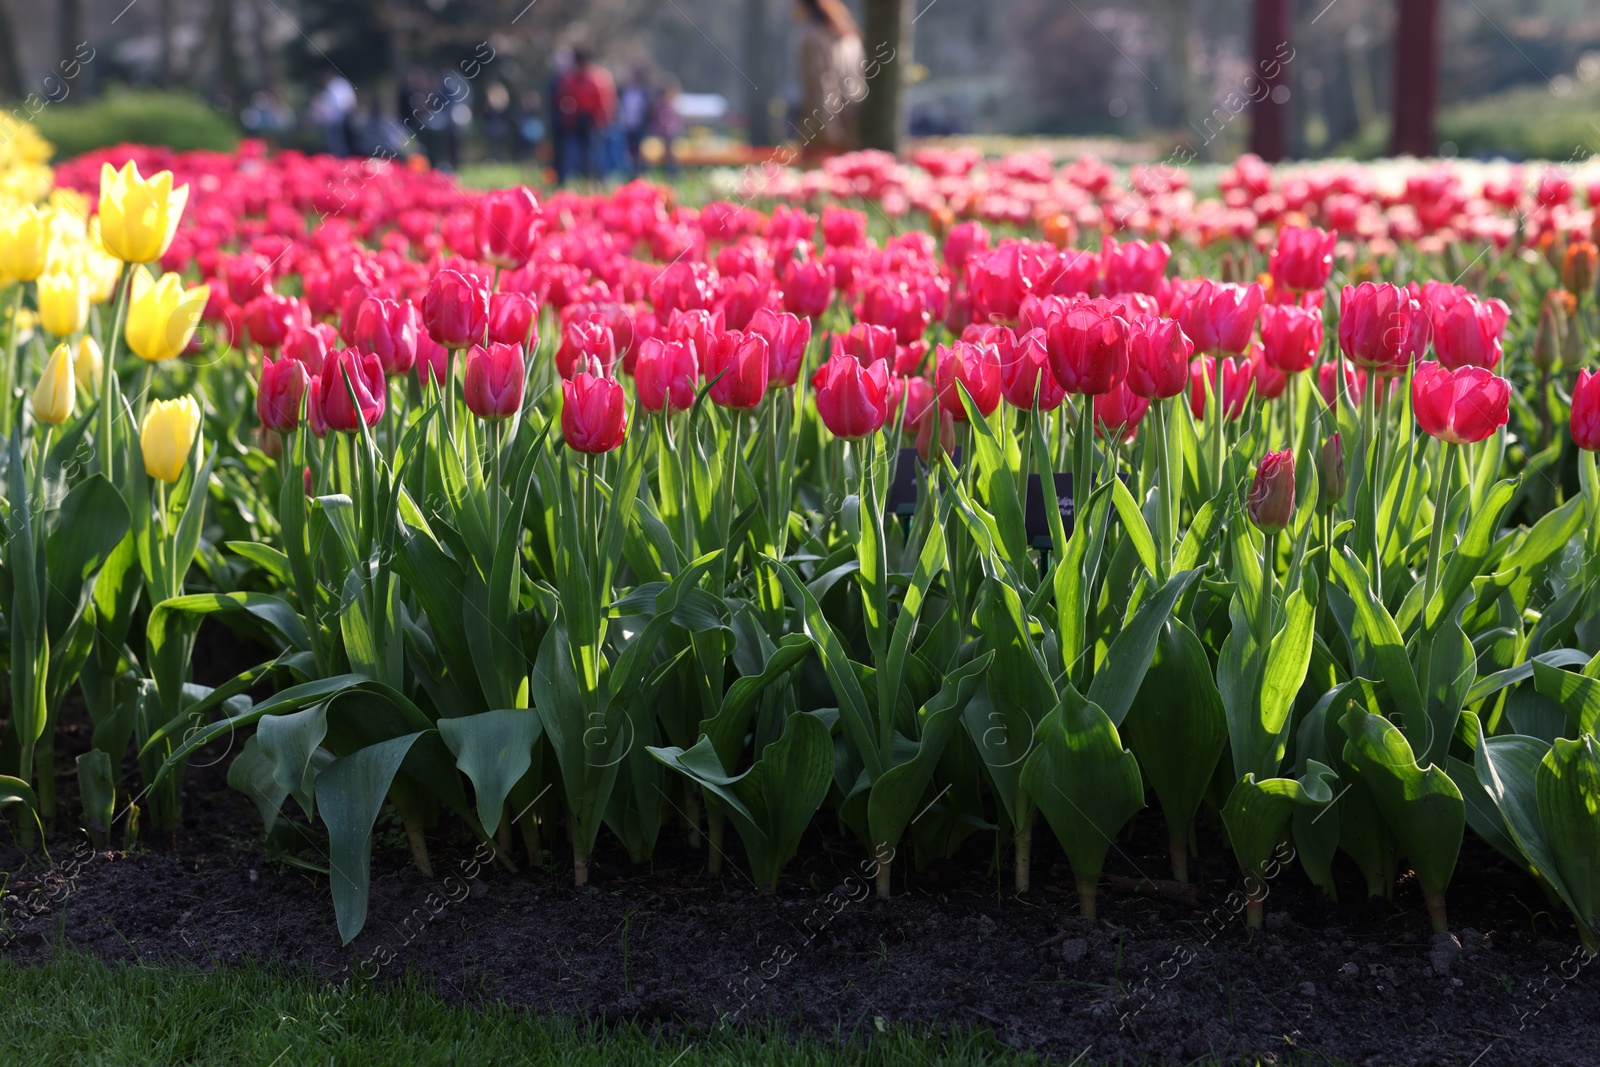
[
  {"x": 54, "y": 396},
  {"x": 63, "y": 303},
  {"x": 100, "y": 273},
  {"x": 162, "y": 316},
  {"x": 167, "y": 437},
  {"x": 24, "y": 240},
  {"x": 87, "y": 366},
  {"x": 138, "y": 216}
]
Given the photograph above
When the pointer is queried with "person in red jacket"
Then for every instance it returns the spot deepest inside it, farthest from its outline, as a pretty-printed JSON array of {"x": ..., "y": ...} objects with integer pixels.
[{"x": 590, "y": 96}]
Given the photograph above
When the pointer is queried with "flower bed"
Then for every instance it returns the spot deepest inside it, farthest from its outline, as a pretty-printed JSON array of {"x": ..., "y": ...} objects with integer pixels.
[{"x": 600, "y": 515}]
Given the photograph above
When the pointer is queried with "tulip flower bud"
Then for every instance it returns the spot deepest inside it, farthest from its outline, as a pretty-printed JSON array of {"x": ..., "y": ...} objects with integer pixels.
[
  {"x": 24, "y": 242},
  {"x": 509, "y": 225},
  {"x": 808, "y": 288},
  {"x": 456, "y": 310},
  {"x": 388, "y": 329},
  {"x": 787, "y": 336},
  {"x": 1088, "y": 346},
  {"x": 975, "y": 366},
  {"x": 270, "y": 318},
  {"x": 1547, "y": 340},
  {"x": 1585, "y": 421},
  {"x": 511, "y": 317},
  {"x": 594, "y": 413},
  {"x": 1158, "y": 358},
  {"x": 1220, "y": 317},
  {"x": 348, "y": 371},
  {"x": 63, "y": 303},
  {"x": 167, "y": 436},
  {"x": 54, "y": 396},
  {"x": 1331, "y": 476},
  {"x": 737, "y": 363},
  {"x": 281, "y": 393},
  {"x": 248, "y": 276},
  {"x": 89, "y": 364},
  {"x": 1578, "y": 266},
  {"x": 162, "y": 316},
  {"x": 1271, "y": 500},
  {"x": 311, "y": 345},
  {"x": 1375, "y": 326},
  {"x": 1025, "y": 374},
  {"x": 1117, "y": 414},
  {"x": 139, "y": 216},
  {"x": 666, "y": 375},
  {"x": 1303, "y": 259},
  {"x": 851, "y": 399},
  {"x": 494, "y": 381},
  {"x": 1461, "y": 406}
]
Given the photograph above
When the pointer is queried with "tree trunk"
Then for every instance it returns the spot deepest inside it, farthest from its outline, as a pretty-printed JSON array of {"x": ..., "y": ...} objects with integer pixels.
[
  {"x": 1269, "y": 110},
  {"x": 228, "y": 83},
  {"x": 10, "y": 65},
  {"x": 757, "y": 65},
  {"x": 1416, "y": 78},
  {"x": 70, "y": 27},
  {"x": 164, "y": 15},
  {"x": 886, "y": 41}
]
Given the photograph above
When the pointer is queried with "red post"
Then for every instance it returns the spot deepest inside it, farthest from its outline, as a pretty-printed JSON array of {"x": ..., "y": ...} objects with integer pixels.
[
  {"x": 1269, "y": 85},
  {"x": 1416, "y": 77}
]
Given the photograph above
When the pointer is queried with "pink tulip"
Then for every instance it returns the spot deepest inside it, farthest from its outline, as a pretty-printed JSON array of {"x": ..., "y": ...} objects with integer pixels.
[{"x": 493, "y": 381}]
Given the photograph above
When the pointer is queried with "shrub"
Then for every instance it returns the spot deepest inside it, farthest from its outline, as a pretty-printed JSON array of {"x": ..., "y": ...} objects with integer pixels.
[{"x": 176, "y": 120}]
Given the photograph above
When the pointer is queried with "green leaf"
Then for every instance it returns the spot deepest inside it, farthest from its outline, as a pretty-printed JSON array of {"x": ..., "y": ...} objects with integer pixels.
[
  {"x": 1257, "y": 812},
  {"x": 1085, "y": 782},
  {"x": 494, "y": 750},
  {"x": 899, "y": 789},
  {"x": 1138, "y": 529},
  {"x": 1118, "y": 679},
  {"x": 1423, "y": 807},
  {"x": 290, "y": 744},
  {"x": 772, "y": 803},
  {"x": 352, "y": 790},
  {"x": 1176, "y": 726},
  {"x": 1376, "y": 644},
  {"x": 1578, "y": 696},
  {"x": 853, "y": 706},
  {"x": 1508, "y": 769},
  {"x": 1568, "y": 788}
]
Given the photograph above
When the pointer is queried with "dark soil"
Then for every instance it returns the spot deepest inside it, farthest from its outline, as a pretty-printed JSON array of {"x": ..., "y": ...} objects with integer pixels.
[{"x": 1155, "y": 979}]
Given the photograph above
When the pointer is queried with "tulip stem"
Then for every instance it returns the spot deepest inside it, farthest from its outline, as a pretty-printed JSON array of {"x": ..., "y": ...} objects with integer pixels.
[
  {"x": 1218, "y": 440},
  {"x": 1164, "y": 535},
  {"x": 11, "y": 376},
  {"x": 108, "y": 372}
]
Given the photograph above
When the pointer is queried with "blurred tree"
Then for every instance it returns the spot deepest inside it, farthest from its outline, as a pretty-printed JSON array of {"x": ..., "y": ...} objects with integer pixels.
[
  {"x": 1416, "y": 78},
  {"x": 887, "y": 32},
  {"x": 10, "y": 65},
  {"x": 1267, "y": 84},
  {"x": 70, "y": 26},
  {"x": 758, "y": 67}
]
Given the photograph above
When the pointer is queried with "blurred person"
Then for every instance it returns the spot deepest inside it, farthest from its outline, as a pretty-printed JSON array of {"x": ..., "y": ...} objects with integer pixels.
[
  {"x": 564, "y": 116},
  {"x": 529, "y": 126},
  {"x": 832, "y": 84},
  {"x": 666, "y": 123},
  {"x": 595, "y": 95},
  {"x": 497, "y": 118},
  {"x": 331, "y": 108},
  {"x": 634, "y": 113}
]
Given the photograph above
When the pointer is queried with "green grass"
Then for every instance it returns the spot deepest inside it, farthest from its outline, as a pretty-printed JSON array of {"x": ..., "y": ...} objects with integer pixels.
[
  {"x": 77, "y": 1011},
  {"x": 1529, "y": 122}
]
